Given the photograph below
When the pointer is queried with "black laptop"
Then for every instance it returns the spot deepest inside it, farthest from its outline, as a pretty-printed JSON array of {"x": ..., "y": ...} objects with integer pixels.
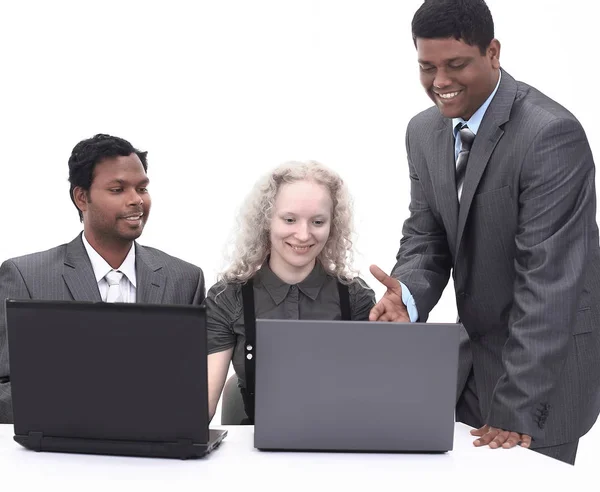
[{"x": 104, "y": 378}]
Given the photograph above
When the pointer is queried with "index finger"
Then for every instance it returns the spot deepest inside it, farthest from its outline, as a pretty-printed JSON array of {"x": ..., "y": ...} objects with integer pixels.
[{"x": 390, "y": 282}]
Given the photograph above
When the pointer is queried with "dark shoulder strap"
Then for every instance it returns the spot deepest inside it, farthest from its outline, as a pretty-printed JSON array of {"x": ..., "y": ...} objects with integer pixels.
[
  {"x": 344, "y": 301},
  {"x": 250, "y": 330},
  {"x": 250, "y": 326}
]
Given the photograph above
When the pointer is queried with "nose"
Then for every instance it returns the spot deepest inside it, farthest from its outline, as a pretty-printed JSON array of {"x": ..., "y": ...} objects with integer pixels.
[
  {"x": 134, "y": 198},
  {"x": 441, "y": 79},
  {"x": 302, "y": 232}
]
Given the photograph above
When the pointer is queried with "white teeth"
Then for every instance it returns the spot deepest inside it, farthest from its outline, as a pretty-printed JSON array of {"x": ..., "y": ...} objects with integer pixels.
[
  {"x": 448, "y": 95},
  {"x": 300, "y": 248}
]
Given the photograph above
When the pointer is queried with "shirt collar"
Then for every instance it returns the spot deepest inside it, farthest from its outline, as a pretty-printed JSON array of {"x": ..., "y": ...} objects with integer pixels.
[
  {"x": 475, "y": 121},
  {"x": 101, "y": 267},
  {"x": 278, "y": 289}
]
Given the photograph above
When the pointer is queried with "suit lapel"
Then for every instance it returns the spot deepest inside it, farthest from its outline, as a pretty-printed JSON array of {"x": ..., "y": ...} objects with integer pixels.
[
  {"x": 488, "y": 136},
  {"x": 78, "y": 273},
  {"x": 151, "y": 280},
  {"x": 443, "y": 177}
]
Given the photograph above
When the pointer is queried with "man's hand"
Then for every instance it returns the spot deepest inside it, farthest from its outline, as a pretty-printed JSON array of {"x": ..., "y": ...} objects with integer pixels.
[
  {"x": 390, "y": 307},
  {"x": 497, "y": 438}
]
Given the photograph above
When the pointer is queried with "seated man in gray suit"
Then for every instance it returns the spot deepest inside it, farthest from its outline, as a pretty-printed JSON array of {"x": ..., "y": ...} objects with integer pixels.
[
  {"x": 503, "y": 198},
  {"x": 109, "y": 187}
]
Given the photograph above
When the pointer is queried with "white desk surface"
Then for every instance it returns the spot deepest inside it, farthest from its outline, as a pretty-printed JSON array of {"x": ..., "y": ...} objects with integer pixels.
[{"x": 237, "y": 465}]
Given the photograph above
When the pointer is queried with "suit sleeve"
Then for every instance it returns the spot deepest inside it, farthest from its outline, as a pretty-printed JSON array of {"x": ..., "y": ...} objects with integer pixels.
[
  {"x": 557, "y": 209},
  {"x": 423, "y": 260},
  {"x": 12, "y": 286},
  {"x": 200, "y": 292}
]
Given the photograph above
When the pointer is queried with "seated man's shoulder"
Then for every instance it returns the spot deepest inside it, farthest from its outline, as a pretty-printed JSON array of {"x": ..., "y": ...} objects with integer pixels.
[
  {"x": 40, "y": 259},
  {"x": 173, "y": 264}
]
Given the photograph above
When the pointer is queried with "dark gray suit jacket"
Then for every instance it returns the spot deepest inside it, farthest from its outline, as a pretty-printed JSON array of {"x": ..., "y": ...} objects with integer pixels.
[
  {"x": 65, "y": 273},
  {"x": 524, "y": 255}
]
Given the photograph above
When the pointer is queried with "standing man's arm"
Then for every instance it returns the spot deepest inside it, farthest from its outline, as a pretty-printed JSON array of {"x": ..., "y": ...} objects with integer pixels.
[
  {"x": 12, "y": 286},
  {"x": 423, "y": 261},
  {"x": 556, "y": 225}
]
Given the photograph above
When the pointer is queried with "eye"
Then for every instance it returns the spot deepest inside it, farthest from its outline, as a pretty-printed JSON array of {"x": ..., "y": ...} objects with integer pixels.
[
  {"x": 116, "y": 190},
  {"x": 319, "y": 222},
  {"x": 289, "y": 220},
  {"x": 426, "y": 69},
  {"x": 143, "y": 190},
  {"x": 457, "y": 65}
]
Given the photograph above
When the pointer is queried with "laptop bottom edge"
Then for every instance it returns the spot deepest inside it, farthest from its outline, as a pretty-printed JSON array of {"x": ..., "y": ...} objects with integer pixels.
[{"x": 183, "y": 449}]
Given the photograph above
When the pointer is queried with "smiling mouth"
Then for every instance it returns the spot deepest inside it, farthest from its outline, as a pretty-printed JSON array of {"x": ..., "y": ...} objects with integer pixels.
[
  {"x": 300, "y": 249},
  {"x": 446, "y": 96},
  {"x": 133, "y": 218}
]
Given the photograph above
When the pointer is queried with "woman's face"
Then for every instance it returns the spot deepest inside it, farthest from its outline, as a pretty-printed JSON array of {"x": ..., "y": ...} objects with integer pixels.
[{"x": 300, "y": 225}]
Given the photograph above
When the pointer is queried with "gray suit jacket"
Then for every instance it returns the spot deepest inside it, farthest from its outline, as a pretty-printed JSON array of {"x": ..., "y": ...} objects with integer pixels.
[
  {"x": 524, "y": 255},
  {"x": 65, "y": 273}
]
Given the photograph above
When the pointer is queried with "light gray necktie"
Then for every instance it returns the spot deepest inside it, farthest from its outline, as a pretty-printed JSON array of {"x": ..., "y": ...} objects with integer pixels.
[
  {"x": 466, "y": 140},
  {"x": 114, "y": 293}
]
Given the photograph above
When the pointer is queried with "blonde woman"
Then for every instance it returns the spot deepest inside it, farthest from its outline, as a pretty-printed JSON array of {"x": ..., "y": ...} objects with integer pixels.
[{"x": 292, "y": 260}]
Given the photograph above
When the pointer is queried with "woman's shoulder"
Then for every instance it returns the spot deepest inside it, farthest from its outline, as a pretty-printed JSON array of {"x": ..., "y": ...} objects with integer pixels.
[
  {"x": 358, "y": 285},
  {"x": 355, "y": 284},
  {"x": 225, "y": 296},
  {"x": 224, "y": 287}
]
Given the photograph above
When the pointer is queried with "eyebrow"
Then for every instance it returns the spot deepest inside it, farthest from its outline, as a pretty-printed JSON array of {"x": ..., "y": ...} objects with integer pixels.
[
  {"x": 143, "y": 182},
  {"x": 289, "y": 212},
  {"x": 451, "y": 60}
]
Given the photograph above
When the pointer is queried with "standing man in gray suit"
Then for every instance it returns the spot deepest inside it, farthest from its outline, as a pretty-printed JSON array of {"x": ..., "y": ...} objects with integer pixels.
[
  {"x": 109, "y": 187},
  {"x": 502, "y": 196}
]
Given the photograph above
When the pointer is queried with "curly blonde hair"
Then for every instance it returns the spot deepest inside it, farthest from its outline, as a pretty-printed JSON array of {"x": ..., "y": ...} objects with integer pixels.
[{"x": 253, "y": 245}]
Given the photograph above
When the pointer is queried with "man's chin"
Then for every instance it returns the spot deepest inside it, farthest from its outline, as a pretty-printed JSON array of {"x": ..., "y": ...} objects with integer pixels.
[
  {"x": 131, "y": 235},
  {"x": 449, "y": 112}
]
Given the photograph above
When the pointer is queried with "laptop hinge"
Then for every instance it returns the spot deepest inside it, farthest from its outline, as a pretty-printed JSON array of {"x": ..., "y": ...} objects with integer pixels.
[
  {"x": 185, "y": 448},
  {"x": 35, "y": 440}
]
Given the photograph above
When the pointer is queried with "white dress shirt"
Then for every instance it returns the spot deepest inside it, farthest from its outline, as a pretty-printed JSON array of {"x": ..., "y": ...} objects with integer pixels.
[{"x": 101, "y": 268}]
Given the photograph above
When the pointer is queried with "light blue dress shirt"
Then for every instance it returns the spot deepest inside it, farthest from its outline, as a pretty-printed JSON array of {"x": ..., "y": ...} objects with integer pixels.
[{"x": 473, "y": 123}]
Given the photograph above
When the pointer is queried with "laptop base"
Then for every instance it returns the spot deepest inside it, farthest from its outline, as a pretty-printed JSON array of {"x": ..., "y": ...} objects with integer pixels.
[
  {"x": 349, "y": 451},
  {"x": 182, "y": 449}
]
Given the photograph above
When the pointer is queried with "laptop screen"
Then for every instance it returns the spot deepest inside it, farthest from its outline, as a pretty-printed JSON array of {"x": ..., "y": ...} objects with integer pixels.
[{"x": 108, "y": 371}]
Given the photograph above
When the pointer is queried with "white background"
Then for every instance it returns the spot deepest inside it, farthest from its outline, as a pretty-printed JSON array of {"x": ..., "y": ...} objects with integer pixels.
[{"x": 220, "y": 92}]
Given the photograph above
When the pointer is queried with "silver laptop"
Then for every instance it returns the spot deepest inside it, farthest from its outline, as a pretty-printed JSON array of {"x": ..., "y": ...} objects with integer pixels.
[{"x": 355, "y": 386}]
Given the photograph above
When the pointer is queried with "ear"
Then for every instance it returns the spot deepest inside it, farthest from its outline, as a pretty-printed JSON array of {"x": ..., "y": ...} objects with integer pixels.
[
  {"x": 493, "y": 52},
  {"x": 81, "y": 198}
]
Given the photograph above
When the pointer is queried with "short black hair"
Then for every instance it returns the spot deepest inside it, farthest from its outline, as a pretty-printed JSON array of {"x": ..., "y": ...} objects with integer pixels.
[
  {"x": 467, "y": 20},
  {"x": 90, "y": 152}
]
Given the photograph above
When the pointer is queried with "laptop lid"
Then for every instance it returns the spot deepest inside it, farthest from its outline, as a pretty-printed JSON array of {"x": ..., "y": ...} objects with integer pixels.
[
  {"x": 108, "y": 371},
  {"x": 349, "y": 385}
]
